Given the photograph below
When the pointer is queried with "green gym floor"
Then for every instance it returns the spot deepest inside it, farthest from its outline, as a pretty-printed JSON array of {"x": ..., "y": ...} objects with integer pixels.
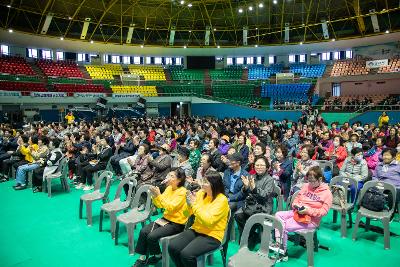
[{"x": 39, "y": 231}]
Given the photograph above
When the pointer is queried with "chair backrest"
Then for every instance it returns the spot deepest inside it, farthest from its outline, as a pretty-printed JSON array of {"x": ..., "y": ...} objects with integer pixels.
[
  {"x": 325, "y": 163},
  {"x": 268, "y": 223},
  {"x": 290, "y": 200},
  {"x": 226, "y": 233},
  {"x": 144, "y": 189},
  {"x": 382, "y": 186},
  {"x": 279, "y": 198},
  {"x": 108, "y": 176},
  {"x": 131, "y": 182},
  {"x": 63, "y": 167},
  {"x": 347, "y": 183}
]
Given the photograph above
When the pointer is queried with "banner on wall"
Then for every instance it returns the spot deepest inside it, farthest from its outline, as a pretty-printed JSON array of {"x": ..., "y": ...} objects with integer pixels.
[
  {"x": 377, "y": 63},
  {"x": 9, "y": 93},
  {"x": 89, "y": 95},
  {"x": 126, "y": 95},
  {"x": 48, "y": 94}
]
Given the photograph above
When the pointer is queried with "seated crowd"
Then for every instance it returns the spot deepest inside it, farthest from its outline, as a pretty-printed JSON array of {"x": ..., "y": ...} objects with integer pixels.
[{"x": 207, "y": 168}]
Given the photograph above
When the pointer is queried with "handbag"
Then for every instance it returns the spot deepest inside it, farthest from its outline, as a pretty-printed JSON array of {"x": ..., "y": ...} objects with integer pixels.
[
  {"x": 338, "y": 196},
  {"x": 251, "y": 206},
  {"x": 301, "y": 218}
]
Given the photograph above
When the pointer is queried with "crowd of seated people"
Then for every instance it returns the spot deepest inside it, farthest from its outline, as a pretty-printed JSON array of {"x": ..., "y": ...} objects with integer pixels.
[
  {"x": 206, "y": 167},
  {"x": 391, "y": 102},
  {"x": 287, "y": 105},
  {"x": 347, "y": 104},
  {"x": 255, "y": 104}
]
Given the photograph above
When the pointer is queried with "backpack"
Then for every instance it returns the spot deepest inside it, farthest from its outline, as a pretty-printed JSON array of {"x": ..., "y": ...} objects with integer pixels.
[
  {"x": 338, "y": 196},
  {"x": 374, "y": 200}
]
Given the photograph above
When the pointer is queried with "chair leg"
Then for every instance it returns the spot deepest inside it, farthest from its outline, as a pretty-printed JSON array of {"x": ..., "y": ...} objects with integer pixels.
[
  {"x": 89, "y": 213},
  {"x": 223, "y": 257},
  {"x": 113, "y": 220},
  {"x": 349, "y": 212},
  {"x": 80, "y": 208},
  {"x": 165, "y": 254},
  {"x": 356, "y": 226},
  {"x": 310, "y": 248},
  {"x": 101, "y": 221},
  {"x": 367, "y": 224},
  {"x": 201, "y": 261},
  {"x": 116, "y": 233},
  {"x": 49, "y": 188},
  {"x": 131, "y": 241},
  {"x": 210, "y": 259},
  {"x": 343, "y": 224},
  {"x": 386, "y": 232},
  {"x": 335, "y": 216},
  {"x": 67, "y": 189}
]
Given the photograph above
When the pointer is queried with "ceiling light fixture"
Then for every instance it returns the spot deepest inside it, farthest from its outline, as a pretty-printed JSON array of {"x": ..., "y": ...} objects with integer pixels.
[
  {"x": 301, "y": 43},
  {"x": 333, "y": 39},
  {"x": 8, "y": 6},
  {"x": 62, "y": 38},
  {"x": 218, "y": 47},
  {"x": 141, "y": 46},
  {"x": 215, "y": 29},
  {"x": 189, "y": 5},
  {"x": 184, "y": 46},
  {"x": 182, "y": 2},
  {"x": 275, "y": 2},
  {"x": 387, "y": 31},
  {"x": 70, "y": 18},
  {"x": 250, "y": 8},
  {"x": 91, "y": 41},
  {"x": 256, "y": 46},
  {"x": 240, "y": 10},
  {"x": 260, "y": 5},
  {"x": 10, "y": 30}
]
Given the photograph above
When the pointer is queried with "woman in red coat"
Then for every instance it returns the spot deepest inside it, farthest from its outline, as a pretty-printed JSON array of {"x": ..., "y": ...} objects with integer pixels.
[{"x": 337, "y": 151}]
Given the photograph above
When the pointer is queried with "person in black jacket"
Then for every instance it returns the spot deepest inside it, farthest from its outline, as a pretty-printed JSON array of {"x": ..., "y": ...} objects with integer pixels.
[
  {"x": 123, "y": 150},
  {"x": 104, "y": 153},
  {"x": 8, "y": 146},
  {"x": 216, "y": 161}
]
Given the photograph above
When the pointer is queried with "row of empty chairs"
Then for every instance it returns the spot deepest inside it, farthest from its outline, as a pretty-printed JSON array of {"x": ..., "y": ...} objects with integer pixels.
[
  {"x": 286, "y": 92},
  {"x": 22, "y": 86},
  {"x": 92, "y": 88},
  {"x": 229, "y": 90},
  {"x": 349, "y": 68},
  {"x": 59, "y": 68},
  {"x": 18, "y": 78},
  {"x": 154, "y": 73},
  {"x": 53, "y": 80},
  {"x": 183, "y": 88},
  {"x": 104, "y": 72},
  {"x": 179, "y": 73},
  {"x": 393, "y": 66},
  {"x": 15, "y": 65},
  {"x": 133, "y": 89},
  {"x": 308, "y": 70},
  {"x": 259, "y": 72},
  {"x": 226, "y": 74}
]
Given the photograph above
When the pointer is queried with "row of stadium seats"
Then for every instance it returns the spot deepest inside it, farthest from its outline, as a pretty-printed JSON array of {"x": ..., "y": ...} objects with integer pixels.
[
  {"x": 130, "y": 89},
  {"x": 179, "y": 73},
  {"x": 229, "y": 90},
  {"x": 287, "y": 92},
  {"x": 259, "y": 72},
  {"x": 104, "y": 72},
  {"x": 154, "y": 73},
  {"x": 309, "y": 71},
  {"x": 18, "y": 78},
  {"x": 349, "y": 68},
  {"x": 59, "y": 68},
  {"x": 53, "y": 80},
  {"x": 22, "y": 86},
  {"x": 15, "y": 65},
  {"x": 92, "y": 88},
  {"x": 394, "y": 66},
  {"x": 184, "y": 88},
  {"x": 226, "y": 74}
]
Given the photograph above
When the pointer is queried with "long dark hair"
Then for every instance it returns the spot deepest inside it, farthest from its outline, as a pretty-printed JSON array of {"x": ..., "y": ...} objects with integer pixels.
[
  {"x": 215, "y": 180},
  {"x": 180, "y": 174}
]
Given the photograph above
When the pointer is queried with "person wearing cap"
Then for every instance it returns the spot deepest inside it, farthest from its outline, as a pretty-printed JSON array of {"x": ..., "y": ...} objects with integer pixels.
[
  {"x": 224, "y": 145},
  {"x": 353, "y": 143},
  {"x": 233, "y": 181},
  {"x": 183, "y": 161}
]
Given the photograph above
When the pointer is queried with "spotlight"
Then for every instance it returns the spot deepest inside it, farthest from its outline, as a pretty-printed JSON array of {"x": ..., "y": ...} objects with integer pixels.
[
  {"x": 256, "y": 46},
  {"x": 387, "y": 31},
  {"x": 250, "y": 8},
  {"x": 275, "y": 2},
  {"x": 62, "y": 38},
  {"x": 141, "y": 46},
  {"x": 260, "y": 5},
  {"x": 190, "y": 31},
  {"x": 91, "y": 41},
  {"x": 70, "y": 18},
  {"x": 10, "y": 30},
  {"x": 182, "y": 2},
  {"x": 184, "y": 46},
  {"x": 218, "y": 47},
  {"x": 333, "y": 39},
  {"x": 189, "y": 5},
  {"x": 240, "y": 10},
  {"x": 301, "y": 43},
  {"x": 215, "y": 29},
  {"x": 9, "y": 6}
]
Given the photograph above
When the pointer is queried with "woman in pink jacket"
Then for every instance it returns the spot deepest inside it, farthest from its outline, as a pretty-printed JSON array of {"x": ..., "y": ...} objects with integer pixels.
[{"x": 311, "y": 203}]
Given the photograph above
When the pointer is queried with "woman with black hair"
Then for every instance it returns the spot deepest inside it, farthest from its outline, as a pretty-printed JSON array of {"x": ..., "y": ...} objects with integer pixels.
[
  {"x": 302, "y": 167},
  {"x": 210, "y": 208},
  {"x": 175, "y": 216},
  {"x": 282, "y": 169},
  {"x": 393, "y": 138}
]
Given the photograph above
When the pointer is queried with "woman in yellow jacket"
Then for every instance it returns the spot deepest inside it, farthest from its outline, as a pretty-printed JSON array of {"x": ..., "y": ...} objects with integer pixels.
[
  {"x": 210, "y": 208},
  {"x": 26, "y": 151},
  {"x": 176, "y": 213},
  {"x": 383, "y": 120}
]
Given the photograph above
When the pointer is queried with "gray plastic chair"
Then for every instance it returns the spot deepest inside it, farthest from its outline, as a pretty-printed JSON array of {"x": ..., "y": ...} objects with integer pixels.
[
  {"x": 164, "y": 241},
  {"x": 246, "y": 257},
  {"x": 278, "y": 198},
  {"x": 109, "y": 167},
  {"x": 117, "y": 204},
  {"x": 384, "y": 216},
  {"x": 134, "y": 216},
  {"x": 347, "y": 183},
  {"x": 223, "y": 248},
  {"x": 61, "y": 173},
  {"x": 89, "y": 198},
  {"x": 309, "y": 235},
  {"x": 325, "y": 163}
]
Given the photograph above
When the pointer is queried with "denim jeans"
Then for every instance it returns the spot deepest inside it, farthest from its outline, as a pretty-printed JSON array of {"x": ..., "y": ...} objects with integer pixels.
[{"x": 22, "y": 170}]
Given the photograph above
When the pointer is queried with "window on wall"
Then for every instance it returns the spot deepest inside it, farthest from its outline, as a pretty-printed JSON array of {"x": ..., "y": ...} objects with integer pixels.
[
  {"x": 105, "y": 58},
  {"x": 115, "y": 59},
  {"x": 249, "y": 60},
  {"x": 349, "y": 54},
  {"x": 60, "y": 55},
  {"x": 32, "y": 52},
  {"x": 81, "y": 57},
  {"x": 302, "y": 58},
  {"x": 126, "y": 60},
  {"x": 158, "y": 60},
  {"x": 4, "y": 49},
  {"x": 292, "y": 58},
  {"x": 326, "y": 56},
  {"x": 259, "y": 60},
  {"x": 148, "y": 60},
  {"x": 229, "y": 61},
  {"x": 336, "y": 55},
  {"x": 239, "y": 61},
  {"x": 178, "y": 61},
  {"x": 168, "y": 61},
  {"x": 136, "y": 60},
  {"x": 336, "y": 89},
  {"x": 271, "y": 60},
  {"x": 46, "y": 54}
]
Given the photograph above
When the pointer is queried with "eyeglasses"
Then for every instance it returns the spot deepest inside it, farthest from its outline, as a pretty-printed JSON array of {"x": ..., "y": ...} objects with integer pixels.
[{"x": 260, "y": 165}]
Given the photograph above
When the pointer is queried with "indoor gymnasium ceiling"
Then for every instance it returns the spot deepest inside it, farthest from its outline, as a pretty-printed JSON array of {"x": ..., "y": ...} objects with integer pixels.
[{"x": 152, "y": 20}]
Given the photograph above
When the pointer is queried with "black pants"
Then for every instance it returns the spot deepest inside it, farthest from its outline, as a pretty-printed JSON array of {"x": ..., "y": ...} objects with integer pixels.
[
  {"x": 114, "y": 160},
  {"x": 79, "y": 167},
  {"x": 87, "y": 172},
  {"x": 37, "y": 176},
  {"x": 150, "y": 235},
  {"x": 187, "y": 246},
  {"x": 9, "y": 163},
  {"x": 3, "y": 156}
]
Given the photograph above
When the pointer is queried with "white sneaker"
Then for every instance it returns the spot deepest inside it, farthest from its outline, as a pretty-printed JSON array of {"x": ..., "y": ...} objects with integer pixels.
[
  {"x": 88, "y": 187},
  {"x": 79, "y": 186}
]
